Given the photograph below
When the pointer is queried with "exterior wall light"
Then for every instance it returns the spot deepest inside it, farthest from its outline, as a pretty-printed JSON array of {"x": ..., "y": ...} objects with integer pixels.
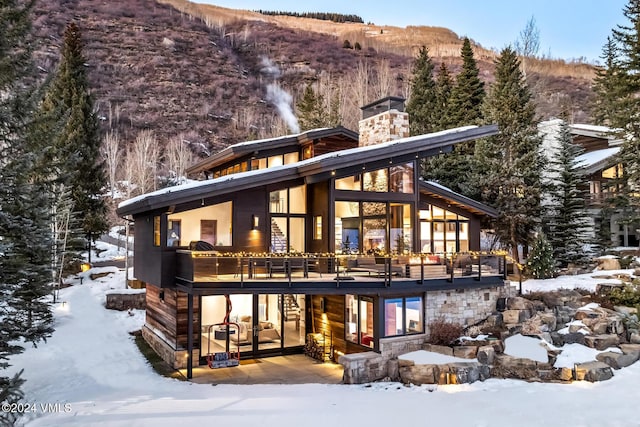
[{"x": 255, "y": 222}]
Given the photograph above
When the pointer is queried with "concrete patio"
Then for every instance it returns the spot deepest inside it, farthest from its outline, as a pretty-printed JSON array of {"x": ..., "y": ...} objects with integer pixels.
[{"x": 291, "y": 369}]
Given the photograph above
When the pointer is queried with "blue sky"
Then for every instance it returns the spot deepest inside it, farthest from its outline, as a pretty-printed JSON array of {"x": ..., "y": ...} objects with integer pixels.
[{"x": 568, "y": 28}]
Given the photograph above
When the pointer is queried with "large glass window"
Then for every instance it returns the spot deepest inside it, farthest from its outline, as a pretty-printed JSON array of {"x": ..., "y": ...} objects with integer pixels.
[
  {"x": 359, "y": 323},
  {"x": 275, "y": 161},
  {"x": 403, "y": 316},
  {"x": 347, "y": 227},
  {"x": 443, "y": 231},
  {"x": 298, "y": 200},
  {"x": 376, "y": 181},
  {"x": 290, "y": 158},
  {"x": 401, "y": 230},
  {"x": 384, "y": 226},
  {"x": 374, "y": 227},
  {"x": 351, "y": 183},
  {"x": 287, "y": 229},
  {"x": 278, "y": 201},
  {"x": 401, "y": 178},
  {"x": 212, "y": 224}
]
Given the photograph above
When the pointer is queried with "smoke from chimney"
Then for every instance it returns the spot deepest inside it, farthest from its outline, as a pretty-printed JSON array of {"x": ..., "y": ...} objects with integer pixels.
[{"x": 279, "y": 97}]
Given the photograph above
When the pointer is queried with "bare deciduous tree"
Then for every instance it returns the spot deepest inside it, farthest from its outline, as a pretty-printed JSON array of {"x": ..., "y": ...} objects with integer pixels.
[
  {"x": 528, "y": 43},
  {"x": 111, "y": 153},
  {"x": 142, "y": 162},
  {"x": 178, "y": 157}
]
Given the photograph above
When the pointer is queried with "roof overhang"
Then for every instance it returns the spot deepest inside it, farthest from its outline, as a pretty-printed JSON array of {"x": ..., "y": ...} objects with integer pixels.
[
  {"x": 313, "y": 170},
  {"x": 449, "y": 196},
  {"x": 249, "y": 147}
]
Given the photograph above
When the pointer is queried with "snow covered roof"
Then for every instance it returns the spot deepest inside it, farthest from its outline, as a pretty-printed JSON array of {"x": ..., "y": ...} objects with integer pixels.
[
  {"x": 313, "y": 169},
  {"x": 597, "y": 160},
  {"x": 247, "y": 147},
  {"x": 595, "y": 131},
  {"x": 441, "y": 191}
]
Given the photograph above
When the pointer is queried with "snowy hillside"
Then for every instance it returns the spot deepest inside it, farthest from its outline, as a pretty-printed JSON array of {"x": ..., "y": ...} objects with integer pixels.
[{"x": 92, "y": 365}]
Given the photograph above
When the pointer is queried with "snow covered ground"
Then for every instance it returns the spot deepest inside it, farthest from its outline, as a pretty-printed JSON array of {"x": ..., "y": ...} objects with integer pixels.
[{"x": 92, "y": 365}]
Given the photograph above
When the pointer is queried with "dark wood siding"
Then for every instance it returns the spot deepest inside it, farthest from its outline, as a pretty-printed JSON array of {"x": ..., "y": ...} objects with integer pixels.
[
  {"x": 332, "y": 322},
  {"x": 246, "y": 204},
  {"x": 147, "y": 260},
  {"x": 170, "y": 315},
  {"x": 318, "y": 204},
  {"x": 161, "y": 313},
  {"x": 328, "y": 145},
  {"x": 182, "y": 324}
]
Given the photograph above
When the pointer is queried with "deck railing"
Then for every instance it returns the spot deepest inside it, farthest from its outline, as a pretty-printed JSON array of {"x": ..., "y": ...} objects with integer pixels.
[{"x": 211, "y": 266}]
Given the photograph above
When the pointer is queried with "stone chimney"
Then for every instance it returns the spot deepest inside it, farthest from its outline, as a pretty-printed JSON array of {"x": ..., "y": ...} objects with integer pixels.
[{"x": 383, "y": 120}]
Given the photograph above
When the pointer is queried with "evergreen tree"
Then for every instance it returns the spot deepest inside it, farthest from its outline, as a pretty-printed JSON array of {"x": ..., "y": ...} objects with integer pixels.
[
  {"x": 468, "y": 94},
  {"x": 463, "y": 107},
  {"x": 444, "y": 86},
  {"x": 540, "y": 261},
  {"x": 508, "y": 166},
  {"x": 627, "y": 201},
  {"x": 566, "y": 217},
  {"x": 76, "y": 160},
  {"x": 422, "y": 103},
  {"x": 607, "y": 85},
  {"x": 311, "y": 111},
  {"x": 25, "y": 244}
]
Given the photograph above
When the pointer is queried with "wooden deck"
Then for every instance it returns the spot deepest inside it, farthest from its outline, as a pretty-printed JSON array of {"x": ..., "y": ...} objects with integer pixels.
[{"x": 210, "y": 273}]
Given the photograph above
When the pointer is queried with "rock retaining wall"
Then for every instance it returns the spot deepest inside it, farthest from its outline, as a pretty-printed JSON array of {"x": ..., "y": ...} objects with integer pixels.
[
  {"x": 116, "y": 301},
  {"x": 465, "y": 306}
]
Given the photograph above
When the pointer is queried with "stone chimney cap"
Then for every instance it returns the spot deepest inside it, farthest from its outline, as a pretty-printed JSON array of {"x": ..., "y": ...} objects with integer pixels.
[{"x": 381, "y": 105}]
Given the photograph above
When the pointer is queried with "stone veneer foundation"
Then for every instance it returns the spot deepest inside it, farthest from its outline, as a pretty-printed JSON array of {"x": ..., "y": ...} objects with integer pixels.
[{"x": 464, "y": 306}]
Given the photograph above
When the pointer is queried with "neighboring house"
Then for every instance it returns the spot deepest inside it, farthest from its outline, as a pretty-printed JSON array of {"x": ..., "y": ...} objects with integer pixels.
[
  {"x": 602, "y": 168},
  {"x": 325, "y": 233}
]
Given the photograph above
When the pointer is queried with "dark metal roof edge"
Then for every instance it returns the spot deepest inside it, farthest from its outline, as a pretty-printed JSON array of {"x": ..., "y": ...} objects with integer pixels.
[
  {"x": 243, "y": 148},
  {"x": 398, "y": 148},
  {"x": 168, "y": 198},
  {"x": 386, "y": 98},
  {"x": 463, "y": 200}
]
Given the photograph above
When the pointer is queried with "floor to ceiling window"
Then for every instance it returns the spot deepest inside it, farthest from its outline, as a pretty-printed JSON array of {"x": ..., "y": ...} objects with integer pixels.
[
  {"x": 288, "y": 208},
  {"x": 443, "y": 231}
]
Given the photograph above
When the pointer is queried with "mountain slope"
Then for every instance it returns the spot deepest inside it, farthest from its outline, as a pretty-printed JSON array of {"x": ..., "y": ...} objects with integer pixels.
[{"x": 201, "y": 72}]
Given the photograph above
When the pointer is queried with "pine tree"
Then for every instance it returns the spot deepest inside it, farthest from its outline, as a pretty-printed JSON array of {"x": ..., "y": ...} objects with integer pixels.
[
  {"x": 566, "y": 219},
  {"x": 444, "y": 86},
  {"x": 607, "y": 85},
  {"x": 540, "y": 261},
  {"x": 468, "y": 93},
  {"x": 25, "y": 244},
  {"x": 624, "y": 115},
  {"x": 76, "y": 160},
  {"x": 463, "y": 107},
  {"x": 508, "y": 166},
  {"x": 311, "y": 111},
  {"x": 422, "y": 103}
]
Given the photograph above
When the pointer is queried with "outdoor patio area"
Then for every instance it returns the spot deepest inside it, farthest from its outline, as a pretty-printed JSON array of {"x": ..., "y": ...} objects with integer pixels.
[{"x": 291, "y": 369}]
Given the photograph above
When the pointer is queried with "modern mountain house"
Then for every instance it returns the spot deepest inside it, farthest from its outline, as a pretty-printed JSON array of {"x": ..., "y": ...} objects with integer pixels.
[{"x": 326, "y": 242}]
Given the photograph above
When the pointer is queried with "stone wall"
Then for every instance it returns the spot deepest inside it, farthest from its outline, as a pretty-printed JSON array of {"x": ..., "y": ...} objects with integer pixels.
[
  {"x": 464, "y": 306},
  {"x": 125, "y": 301},
  {"x": 175, "y": 358},
  {"x": 369, "y": 366},
  {"x": 383, "y": 127}
]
